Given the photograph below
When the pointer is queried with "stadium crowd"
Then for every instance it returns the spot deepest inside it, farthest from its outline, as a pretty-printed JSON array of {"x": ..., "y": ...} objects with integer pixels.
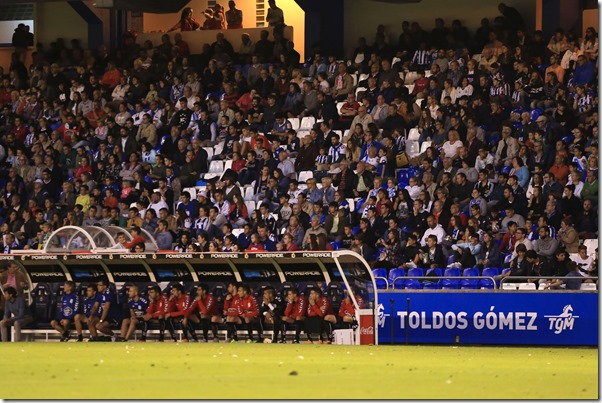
[{"x": 439, "y": 149}]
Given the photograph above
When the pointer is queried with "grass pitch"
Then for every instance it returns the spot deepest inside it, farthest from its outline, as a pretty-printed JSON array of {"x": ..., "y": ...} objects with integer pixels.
[{"x": 251, "y": 371}]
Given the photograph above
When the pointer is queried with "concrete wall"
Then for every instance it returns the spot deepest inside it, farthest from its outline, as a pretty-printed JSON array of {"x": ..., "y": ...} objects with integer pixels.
[
  {"x": 363, "y": 16},
  {"x": 293, "y": 15},
  {"x": 58, "y": 20}
]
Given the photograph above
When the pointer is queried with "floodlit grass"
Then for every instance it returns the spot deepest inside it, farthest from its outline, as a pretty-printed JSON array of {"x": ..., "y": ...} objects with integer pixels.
[{"x": 212, "y": 371}]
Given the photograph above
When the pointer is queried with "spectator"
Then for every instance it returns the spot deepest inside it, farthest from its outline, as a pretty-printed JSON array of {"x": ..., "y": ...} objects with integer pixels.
[{"x": 16, "y": 314}]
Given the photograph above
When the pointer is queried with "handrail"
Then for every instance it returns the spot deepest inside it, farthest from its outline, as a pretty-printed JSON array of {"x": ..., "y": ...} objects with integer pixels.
[
  {"x": 445, "y": 277},
  {"x": 582, "y": 279},
  {"x": 383, "y": 278}
]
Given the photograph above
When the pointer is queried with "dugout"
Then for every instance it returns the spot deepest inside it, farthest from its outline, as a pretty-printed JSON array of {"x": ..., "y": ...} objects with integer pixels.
[{"x": 332, "y": 271}]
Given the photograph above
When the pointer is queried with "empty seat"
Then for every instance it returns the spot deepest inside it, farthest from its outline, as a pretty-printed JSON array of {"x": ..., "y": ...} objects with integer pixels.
[
  {"x": 216, "y": 167},
  {"x": 305, "y": 175},
  {"x": 396, "y": 280},
  {"x": 451, "y": 283},
  {"x": 414, "y": 134},
  {"x": 351, "y": 204},
  {"x": 295, "y": 123},
  {"x": 249, "y": 193},
  {"x": 527, "y": 286},
  {"x": 413, "y": 283},
  {"x": 250, "y": 206},
  {"x": 227, "y": 164},
  {"x": 588, "y": 287},
  {"x": 468, "y": 283},
  {"x": 307, "y": 123},
  {"x": 432, "y": 284},
  {"x": 412, "y": 148},
  {"x": 509, "y": 286},
  {"x": 380, "y": 277},
  {"x": 209, "y": 152},
  {"x": 237, "y": 231},
  {"x": 424, "y": 146},
  {"x": 488, "y": 272},
  {"x": 339, "y": 107}
]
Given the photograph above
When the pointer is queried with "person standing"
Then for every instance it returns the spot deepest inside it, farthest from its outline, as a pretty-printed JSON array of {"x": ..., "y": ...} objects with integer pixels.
[
  {"x": 186, "y": 23},
  {"x": 16, "y": 313},
  {"x": 233, "y": 16},
  {"x": 275, "y": 15}
]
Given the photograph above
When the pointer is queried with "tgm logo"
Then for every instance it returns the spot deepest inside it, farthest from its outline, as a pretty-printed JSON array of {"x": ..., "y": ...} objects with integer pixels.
[
  {"x": 381, "y": 315},
  {"x": 565, "y": 320}
]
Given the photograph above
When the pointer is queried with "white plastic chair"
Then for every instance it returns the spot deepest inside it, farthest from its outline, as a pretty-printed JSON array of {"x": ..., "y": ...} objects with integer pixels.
[
  {"x": 216, "y": 167},
  {"x": 527, "y": 286},
  {"x": 509, "y": 286},
  {"x": 295, "y": 123},
  {"x": 192, "y": 192},
  {"x": 424, "y": 146},
  {"x": 227, "y": 164},
  {"x": 307, "y": 123},
  {"x": 249, "y": 193},
  {"x": 414, "y": 134},
  {"x": 591, "y": 245},
  {"x": 250, "y": 206},
  {"x": 305, "y": 175}
]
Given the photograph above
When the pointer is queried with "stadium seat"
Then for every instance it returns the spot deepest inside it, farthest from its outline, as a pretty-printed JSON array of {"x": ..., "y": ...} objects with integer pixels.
[
  {"x": 363, "y": 77},
  {"x": 413, "y": 283},
  {"x": 295, "y": 123},
  {"x": 339, "y": 107},
  {"x": 424, "y": 146},
  {"x": 591, "y": 245},
  {"x": 351, "y": 204},
  {"x": 42, "y": 300},
  {"x": 192, "y": 191},
  {"x": 227, "y": 165},
  {"x": 527, "y": 286},
  {"x": 508, "y": 286},
  {"x": 414, "y": 134},
  {"x": 305, "y": 288},
  {"x": 380, "y": 276},
  {"x": 412, "y": 148},
  {"x": 216, "y": 167},
  {"x": 398, "y": 274},
  {"x": 237, "y": 231},
  {"x": 468, "y": 283},
  {"x": 335, "y": 245},
  {"x": 283, "y": 289},
  {"x": 334, "y": 292},
  {"x": 432, "y": 284},
  {"x": 305, "y": 175},
  {"x": 588, "y": 287},
  {"x": 451, "y": 283},
  {"x": 249, "y": 193},
  {"x": 307, "y": 123},
  {"x": 488, "y": 272},
  {"x": 250, "y": 206},
  {"x": 209, "y": 152}
]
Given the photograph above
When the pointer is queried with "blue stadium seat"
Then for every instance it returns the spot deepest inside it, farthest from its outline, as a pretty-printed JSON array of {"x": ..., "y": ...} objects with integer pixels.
[
  {"x": 381, "y": 284},
  {"x": 335, "y": 293},
  {"x": 393, "y": 274},
  {"x": 414, "y": 284},
  {"x": 468, "y": 283},
  {"x": 42, "y": 298},
  {"x": 336, "y": 245},
  {"x": 451, "y": 283},
  {"x": 451, "y": 259},
  {"x": 432, "y": 284},
  {"x": 489, "y": 272}
]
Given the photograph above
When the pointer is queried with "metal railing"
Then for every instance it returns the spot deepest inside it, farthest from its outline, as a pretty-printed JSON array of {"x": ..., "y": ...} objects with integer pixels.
[
  {"x": 537, "y": 283},
  {"x": 429, "y": 278}
]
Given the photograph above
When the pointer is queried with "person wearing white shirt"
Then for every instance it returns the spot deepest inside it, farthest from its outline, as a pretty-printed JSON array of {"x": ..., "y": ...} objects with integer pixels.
[
  {"x": 433, "y": 229},
  {"x": 120, "y": 90},
  {"x": 157, "y": 203},
  {"x": 138, "y": 115},
  {"x": 413, "y": 188},
  {"x": 451, "y": 146},
  {"x": 485, "y": 158}
]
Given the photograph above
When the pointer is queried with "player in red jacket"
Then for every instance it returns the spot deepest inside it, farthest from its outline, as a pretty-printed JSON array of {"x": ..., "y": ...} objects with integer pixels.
[
  {"x": 320, "y": 316},
  {"x": 347, "y": 310},
  {"x": 177, "y": 309},
  {"x": 156, "y": 311},
  {"x": 231, "y": 311},
  {"x": 204, "y": 310},
  {"x": 248, "y": 310},
  {"x": 295, "y": 312}
]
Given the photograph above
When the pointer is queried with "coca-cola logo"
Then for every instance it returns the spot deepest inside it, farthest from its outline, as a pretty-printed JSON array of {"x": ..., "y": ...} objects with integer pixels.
[{"x": 367, "y": 330}]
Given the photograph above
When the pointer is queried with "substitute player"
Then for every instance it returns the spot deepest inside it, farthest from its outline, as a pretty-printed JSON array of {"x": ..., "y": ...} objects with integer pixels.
[
  {"x": 346, "y": 317},
  {"x": 69, "y": 308},
  {"x": 156, "y": 311},
  {"x": 106, "y": 301},
  {"x": 320, "y": 316},
  {"x": 208, "y": 312},
  {"x": 295, "y": 312},
  {"x": 176, "y": 312},
  {"x": 88, "y": 306},
  {"x": 247, "y": 310},
  {"x": 231, "y": 311},
  {"x": 138, "y": 306}
]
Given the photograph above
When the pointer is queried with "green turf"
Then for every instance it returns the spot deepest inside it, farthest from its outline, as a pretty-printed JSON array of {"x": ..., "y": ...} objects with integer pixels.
[{"x": 203, "y": 371}]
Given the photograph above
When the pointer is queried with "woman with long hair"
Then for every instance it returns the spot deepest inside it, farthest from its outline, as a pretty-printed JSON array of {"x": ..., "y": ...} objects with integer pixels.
[
  {"x": 186, "y": 23},
  {"x": 238, "y": 214}
]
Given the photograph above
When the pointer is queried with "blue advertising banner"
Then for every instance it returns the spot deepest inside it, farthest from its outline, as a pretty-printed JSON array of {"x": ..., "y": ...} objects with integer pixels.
[{"x": 548, "y": 318}]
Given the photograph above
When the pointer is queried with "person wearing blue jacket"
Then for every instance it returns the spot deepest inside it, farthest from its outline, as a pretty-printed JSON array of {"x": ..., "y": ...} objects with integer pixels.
[{"x": 67, "y": 311}]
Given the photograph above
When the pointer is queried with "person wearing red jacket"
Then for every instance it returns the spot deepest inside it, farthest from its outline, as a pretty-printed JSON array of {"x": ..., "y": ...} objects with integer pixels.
[
  {"x": 231, "y": 311},
  {"x": 204, "y": 310},
  {"x": 156, "y": 311},
  {"x": 295, "y": 312},
  {"x": 347, "y": 316},
  {"x": 320, "y": 316},
  {"x": 177, "y": 312},
  {"x": 248, "y": 310}
]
